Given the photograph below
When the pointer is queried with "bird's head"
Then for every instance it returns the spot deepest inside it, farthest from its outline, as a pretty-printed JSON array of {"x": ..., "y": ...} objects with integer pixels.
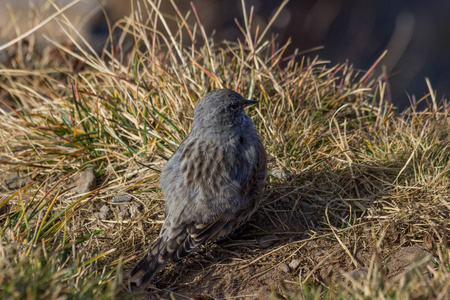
[{"x": 221, "y": 108}]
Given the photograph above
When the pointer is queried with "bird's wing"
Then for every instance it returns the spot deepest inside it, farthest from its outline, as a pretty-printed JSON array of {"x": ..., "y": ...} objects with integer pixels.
[
  {"x": 198, "y": 234},
  {"x": 174, "y": 249},
  {"x": 254, "y": 187},
  {"x": 179, "y": 238}
]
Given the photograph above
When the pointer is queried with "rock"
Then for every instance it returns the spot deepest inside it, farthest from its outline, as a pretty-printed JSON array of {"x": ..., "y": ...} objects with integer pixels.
[
  {"x": 123, "y": 214},
  {"x": 294, "y": 264},
  {"x": 84, "y": 182},
  {"x": 268, "y": 240},
  {"x": 280, "y": 173},
  {"x": 284, "y": 268},
  {"x": 404, "y": 260},
  {"x": 105, "y": 209},
  {"x": 103, "y": 213},
  {"x": 121, "y": 198},
  {"x": 358, "y": 275},
  {"x": 14, "y": 182}
]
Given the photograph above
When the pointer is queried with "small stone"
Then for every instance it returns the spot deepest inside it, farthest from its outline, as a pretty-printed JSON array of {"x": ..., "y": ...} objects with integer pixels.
[
  {"x": 284, "y": 268},
  {"x": 123, "y": 214},
  {"x": 358, "y": 275},
  {"x": 105, "y": 208},
  {"x": 14, "y": 182},
  {"x": 280, "y": 173},
  {"x": 121, "y": 198},
  {"x": 84, "y": 182},
  {"x": 268, "y": 240},
  {"x": 294, "y": 264},
  {"x": 100, "y": 215},
  {"x": 401, "y": 261}
]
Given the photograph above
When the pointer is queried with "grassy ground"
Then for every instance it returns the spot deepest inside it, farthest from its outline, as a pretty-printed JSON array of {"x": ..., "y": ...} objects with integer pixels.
[{"x": 353, "y": 185}]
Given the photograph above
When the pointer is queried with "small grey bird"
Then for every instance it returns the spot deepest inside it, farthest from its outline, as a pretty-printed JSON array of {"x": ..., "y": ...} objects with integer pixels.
[{"x": 212, "y": 184}]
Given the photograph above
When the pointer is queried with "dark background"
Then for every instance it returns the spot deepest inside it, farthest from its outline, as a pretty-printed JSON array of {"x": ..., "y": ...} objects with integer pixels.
[{"x": 415, "y": 32}]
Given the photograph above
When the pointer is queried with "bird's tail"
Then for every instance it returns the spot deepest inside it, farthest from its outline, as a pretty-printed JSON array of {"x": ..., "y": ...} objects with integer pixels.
[
  {"x": 150, "y": 264},
  {"x": 175, "y": 249}
]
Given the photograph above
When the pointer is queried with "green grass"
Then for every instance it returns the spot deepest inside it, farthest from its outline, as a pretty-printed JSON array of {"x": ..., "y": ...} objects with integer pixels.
[{"x": 375, "y": 180}]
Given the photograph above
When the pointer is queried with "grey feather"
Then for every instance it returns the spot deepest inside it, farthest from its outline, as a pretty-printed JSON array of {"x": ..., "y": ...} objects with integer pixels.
[{"x": 212, "y": 183}]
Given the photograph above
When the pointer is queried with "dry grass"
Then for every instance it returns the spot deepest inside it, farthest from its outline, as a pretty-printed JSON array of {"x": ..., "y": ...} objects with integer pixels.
[{"x": 351, "y": 182}]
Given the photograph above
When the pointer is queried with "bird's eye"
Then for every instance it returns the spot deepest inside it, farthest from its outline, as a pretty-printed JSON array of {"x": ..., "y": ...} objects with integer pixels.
[{"x": 234, "y": 106}]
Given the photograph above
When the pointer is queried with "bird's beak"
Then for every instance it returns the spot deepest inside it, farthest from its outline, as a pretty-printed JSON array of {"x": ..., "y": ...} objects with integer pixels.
[{"x": 248, "y": 102}]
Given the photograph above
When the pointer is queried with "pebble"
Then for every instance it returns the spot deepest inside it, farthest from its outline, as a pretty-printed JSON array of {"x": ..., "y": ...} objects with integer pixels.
[
  {"x": 14, "y": 182},
  {"x": 280, "y": 173},
  {"x": 84, "y": 182},
  {"x": 105, "y": 208},
  {"x": 123, "y": 214},
  {"x": 294, "y": 264},
  {"x": 121, "y": 198},
  {"x": 284, "y": 268}
]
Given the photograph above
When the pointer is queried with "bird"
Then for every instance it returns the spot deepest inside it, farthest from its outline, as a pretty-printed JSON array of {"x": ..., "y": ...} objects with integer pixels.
[{"x": 212, "y": 183}]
